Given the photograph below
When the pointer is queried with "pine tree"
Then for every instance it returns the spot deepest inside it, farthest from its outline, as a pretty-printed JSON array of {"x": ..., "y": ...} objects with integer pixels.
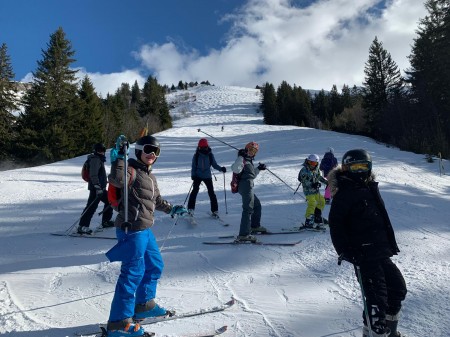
[
  {"x": 153, "y": 106},
  {"x": 89, "y": 119},
  {"x": 383, "y": 84},
  {"x": 47, "y": 131},
  {"x": 8, "y": 102},
  {"x": 429, "y": 77},
  {"x": 268, "y": 104}
]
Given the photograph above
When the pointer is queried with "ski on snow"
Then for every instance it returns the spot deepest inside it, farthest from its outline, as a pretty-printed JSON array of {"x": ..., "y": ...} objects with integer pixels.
[
  {"x": 171, "y": 315},
  {"x": 293, "y": 230},
  {"x": 257, "y": 243},
  {"x": 86, "y": 236},
  {"x": 211, "y": 333},
  {"x": 219, "y": 219}
]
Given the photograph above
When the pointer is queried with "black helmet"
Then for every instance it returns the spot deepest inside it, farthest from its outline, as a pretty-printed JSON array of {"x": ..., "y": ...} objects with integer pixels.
[
  {"x": 357, "y": 172},
  {"x": 99, "y": 147},
  {"x": 152, "y": 146}
]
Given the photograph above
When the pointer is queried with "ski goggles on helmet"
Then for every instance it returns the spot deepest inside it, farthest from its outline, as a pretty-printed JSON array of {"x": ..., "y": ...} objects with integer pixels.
[
  {"x": 148, "y": 149},
  {"x": 363, "y": 166}
]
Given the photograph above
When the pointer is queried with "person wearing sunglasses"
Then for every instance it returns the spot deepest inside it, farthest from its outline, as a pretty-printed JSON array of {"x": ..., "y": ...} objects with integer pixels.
[
  {"x": 251, "y": 206},
  {"x": 202, "y": 161},
  {"x": 137, "y": 249},
  {"x": 97, "y": 191},
  {"x": 311, "y": 179},
  {"x": 362, "y": 234}
]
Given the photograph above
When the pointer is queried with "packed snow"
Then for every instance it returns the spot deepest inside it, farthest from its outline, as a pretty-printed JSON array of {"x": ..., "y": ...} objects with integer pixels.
[{"x": 59, "y": 285}]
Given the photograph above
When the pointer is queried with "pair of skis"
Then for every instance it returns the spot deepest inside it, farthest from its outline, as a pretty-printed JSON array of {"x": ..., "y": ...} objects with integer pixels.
[
  {"x": 193, "y": 221},
  {"x": 172, "y": 316},
  {"x": 292, "y": 230}
]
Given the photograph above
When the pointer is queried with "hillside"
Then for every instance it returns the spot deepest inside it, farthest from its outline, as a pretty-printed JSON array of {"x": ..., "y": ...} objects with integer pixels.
[{"x": 54, "y": 286}]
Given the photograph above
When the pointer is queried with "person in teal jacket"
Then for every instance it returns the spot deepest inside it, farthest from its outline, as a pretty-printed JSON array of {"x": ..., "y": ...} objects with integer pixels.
[{"x": 310, "y": 178}]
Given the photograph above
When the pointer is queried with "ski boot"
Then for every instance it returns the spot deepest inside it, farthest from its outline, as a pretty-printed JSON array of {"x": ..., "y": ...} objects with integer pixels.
[
  {"x": 191, "y": 212},
  {"x": 148, "y": 309},
  {"x": 309, "y": 222},
  {"x": 215, "y": 214},
  {"x": 245, "y": 238},
  {"x": 259, "y": 229},
  {"x": 84, "y": 230},
  {"x": 123, "y": 328},
  {"x": 107, "y": 224}
]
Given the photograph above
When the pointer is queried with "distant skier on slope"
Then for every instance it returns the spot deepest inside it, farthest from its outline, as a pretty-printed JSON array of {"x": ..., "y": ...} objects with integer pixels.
[
  {"x": 363, "y": 235},
  {"x": 202, "y": 161},
  {"x": 310, "y": 178},
  {"x": 142, "y": 264},
  {"x": 328, "y": 163},
  {"x": 251, "y": 206},
  {"x": 97, "y": 191}
]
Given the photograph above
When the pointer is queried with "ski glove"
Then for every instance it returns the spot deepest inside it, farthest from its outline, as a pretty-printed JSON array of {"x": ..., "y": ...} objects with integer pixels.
[
  {"x": 316, "y": 185},
  {"x": 223, "y": 169},
  {"x": 261, "y": 167},
  {"x": 98, "y": 190},
  {"x": 121, "y": 143},
  {"x": 352, "y": 257},
  {"x": 178, "y": 210}
]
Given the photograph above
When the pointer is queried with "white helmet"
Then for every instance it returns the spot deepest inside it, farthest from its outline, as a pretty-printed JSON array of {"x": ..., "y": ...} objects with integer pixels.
[
  {"x": 313, "y": 158},
  {"x": 330, "y": 149}
]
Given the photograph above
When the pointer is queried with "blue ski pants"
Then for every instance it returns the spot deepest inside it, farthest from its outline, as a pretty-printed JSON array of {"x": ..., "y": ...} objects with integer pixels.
[{"x": 141, "y": 269}]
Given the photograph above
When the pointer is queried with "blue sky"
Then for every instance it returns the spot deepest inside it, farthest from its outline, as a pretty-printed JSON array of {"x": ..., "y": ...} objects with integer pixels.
[{"x": 311, "y": 43}]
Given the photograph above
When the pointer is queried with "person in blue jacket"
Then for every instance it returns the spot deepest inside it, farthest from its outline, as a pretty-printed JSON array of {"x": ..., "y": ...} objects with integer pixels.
[
  {"x": 201, "y": 172},
  {"x": 328, "y": 163}
]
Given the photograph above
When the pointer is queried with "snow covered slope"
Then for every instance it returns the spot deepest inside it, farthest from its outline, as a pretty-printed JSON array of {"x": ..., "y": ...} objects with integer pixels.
[{"x": 53, "y": 286}]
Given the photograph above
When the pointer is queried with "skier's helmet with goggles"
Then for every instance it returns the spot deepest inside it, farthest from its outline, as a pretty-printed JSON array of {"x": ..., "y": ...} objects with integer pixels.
[
  {"x": 312, "y": 161},
  {"x": 358, "y": 164},
  {"x": 148, "y": 145},
  {"x": 252, "y": 148}
]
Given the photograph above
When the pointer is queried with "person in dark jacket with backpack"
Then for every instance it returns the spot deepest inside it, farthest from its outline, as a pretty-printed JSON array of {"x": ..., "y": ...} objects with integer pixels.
[
  {"x": 328, "y": 163},
  {"x": 137, "y": 249},
  {"x": 251, "y": 206},
  {"x": 362, "y": 234},
  {"x": 201, "y": 172},
  {"x": 97, "y": 191}
]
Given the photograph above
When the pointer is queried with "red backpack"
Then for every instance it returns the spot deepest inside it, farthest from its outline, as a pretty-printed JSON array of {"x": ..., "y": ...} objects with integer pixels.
[
  {"x": 85, "y": 171},
  {"x": 235, "y": 181},
  {"x": 115, "y": 193}
]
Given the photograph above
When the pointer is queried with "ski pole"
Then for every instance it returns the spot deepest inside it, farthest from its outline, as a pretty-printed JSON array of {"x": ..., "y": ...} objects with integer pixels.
[
  {"x": 297, "y": 188},
  {"x": 68, "y": 230},
  {"x": 366, "y": 310},
  {"x": 218, "y": 139},
  {"x": 225, "y": 193},
  {"x": 358, "y": 273}
]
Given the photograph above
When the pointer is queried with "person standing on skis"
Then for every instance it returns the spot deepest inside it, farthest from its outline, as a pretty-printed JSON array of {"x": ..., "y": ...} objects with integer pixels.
[
  {"x": 142, "y": 264},
  {"x": 362, "y": 234},
  {"x": 201, "y": 172},
  {"x": 310, "y": 178},
  {"x": 251, "y": 206},
  {"x": 328, "y": 163},
  {"x": 97, "y": 191}
]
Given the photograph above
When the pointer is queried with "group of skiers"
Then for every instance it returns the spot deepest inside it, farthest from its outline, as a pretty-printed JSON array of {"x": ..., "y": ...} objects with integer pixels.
[{"x": 360, "y": 228}]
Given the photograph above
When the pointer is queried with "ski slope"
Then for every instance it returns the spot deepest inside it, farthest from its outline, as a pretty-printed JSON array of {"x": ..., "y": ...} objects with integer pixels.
[{"x": 55, "y": 286}]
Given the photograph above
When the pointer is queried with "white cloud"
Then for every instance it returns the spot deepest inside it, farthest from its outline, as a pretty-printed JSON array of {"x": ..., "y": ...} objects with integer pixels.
[
  {"x": 105, "y": 83},
  {"x": 323, "y": 44},
  {"x": 109, "y": 83}
]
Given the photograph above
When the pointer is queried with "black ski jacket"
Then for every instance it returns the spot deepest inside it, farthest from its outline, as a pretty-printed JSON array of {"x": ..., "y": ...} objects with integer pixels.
[{"x": 359, "y": 223}]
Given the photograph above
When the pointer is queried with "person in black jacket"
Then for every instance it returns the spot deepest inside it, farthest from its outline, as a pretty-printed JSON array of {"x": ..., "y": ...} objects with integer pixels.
[
  {"x": 362, "y": 234},
  {"x": 97, "y": 191}
]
